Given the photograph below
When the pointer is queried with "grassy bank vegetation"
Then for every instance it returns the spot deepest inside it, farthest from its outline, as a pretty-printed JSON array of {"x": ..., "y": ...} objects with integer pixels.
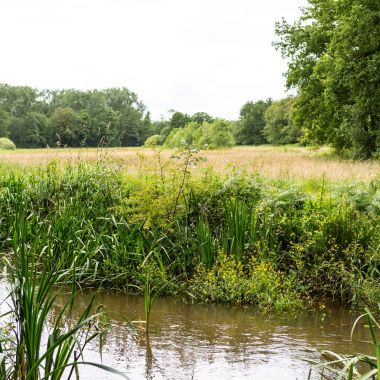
[{"x": 235, "y": 237}]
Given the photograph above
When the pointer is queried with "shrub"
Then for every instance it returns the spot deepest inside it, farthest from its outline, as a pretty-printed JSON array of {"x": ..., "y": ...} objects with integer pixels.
[
  {"x": 153, "y": 141},
  {"x": 217, "y": 134},
  {"x": 188, "y": 135},
  {"x": 6, "y": 144},
  {"x": 256, "y": 283}
]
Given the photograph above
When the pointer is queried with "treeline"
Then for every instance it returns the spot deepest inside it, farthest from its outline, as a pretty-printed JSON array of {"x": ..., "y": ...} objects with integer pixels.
[
  {"x": 267, "y": 121},
  {"x": 260, "y": 122},
  {"x": 112, "y": 117}
]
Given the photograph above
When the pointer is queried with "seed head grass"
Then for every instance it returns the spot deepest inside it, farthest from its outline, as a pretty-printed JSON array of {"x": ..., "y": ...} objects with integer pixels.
[{"x": 287, "y": 162}]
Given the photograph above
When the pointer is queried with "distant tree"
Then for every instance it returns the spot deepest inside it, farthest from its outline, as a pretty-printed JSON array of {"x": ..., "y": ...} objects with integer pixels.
[
  {"x": 66, "y": 126},
  {"x": 249, "y": 129},
  {"x": 179, "y": 120},
  {"x": 122, "y": 100},
  {"x": 201, "y": 117},
  {"x": 158, "y": 125},
  {"x": 75, "y": 99},
  {"x": 30, "y": 131},
  {"x": 111, "y": 117},
  {"x": 134, "y": 124},
  {"x": 188, "y": 135},
  {"x": 5, "y": 121},
  {"x": 279, "y": 126},
  {"x": 146, "y": 128},
  {"x": 217, "y": 134},
  {"x": 17, "y": 100},
  {"x": 130, "y": 133}
]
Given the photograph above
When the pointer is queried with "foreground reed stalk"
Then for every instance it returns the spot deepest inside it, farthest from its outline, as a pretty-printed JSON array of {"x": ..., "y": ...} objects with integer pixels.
[{"x": 34, "y": 344}]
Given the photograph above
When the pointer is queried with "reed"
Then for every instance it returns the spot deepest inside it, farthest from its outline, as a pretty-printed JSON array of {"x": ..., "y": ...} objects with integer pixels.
[
  {"x": 37, "y": 346},
  {"x": 207, "y": 244}
]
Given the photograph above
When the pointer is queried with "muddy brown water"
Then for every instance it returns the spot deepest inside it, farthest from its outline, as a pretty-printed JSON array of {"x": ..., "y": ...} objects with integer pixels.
[{"x": 193, "y": 341}]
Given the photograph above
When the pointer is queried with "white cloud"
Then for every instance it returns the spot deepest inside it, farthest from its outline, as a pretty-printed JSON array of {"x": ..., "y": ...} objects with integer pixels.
[{"x": 198, "y": 55}]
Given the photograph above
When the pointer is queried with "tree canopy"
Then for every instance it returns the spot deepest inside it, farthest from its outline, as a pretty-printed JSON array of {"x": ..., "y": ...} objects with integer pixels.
[
  {"x": 279, "y": 126},
  {"x": 250, "y": 127},
  {"x": 5, "y": 120},
  {"x": 334, "y": 63},
  {"x": 112, "y": 117}
]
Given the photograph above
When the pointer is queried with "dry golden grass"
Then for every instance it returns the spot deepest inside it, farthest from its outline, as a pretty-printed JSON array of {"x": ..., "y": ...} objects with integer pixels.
[{"x": 275, "y": 162}]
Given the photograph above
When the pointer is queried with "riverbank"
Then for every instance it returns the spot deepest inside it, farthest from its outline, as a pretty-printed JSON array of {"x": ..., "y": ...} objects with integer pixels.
[{"x": 236, "y": 237}]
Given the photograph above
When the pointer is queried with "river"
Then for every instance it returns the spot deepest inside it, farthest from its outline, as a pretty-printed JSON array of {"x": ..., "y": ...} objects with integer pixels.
[{"x": 193, "y": 341}]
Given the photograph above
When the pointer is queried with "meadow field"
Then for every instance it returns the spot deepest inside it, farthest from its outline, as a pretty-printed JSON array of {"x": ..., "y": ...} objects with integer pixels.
[{"x": 282, "y": 162}]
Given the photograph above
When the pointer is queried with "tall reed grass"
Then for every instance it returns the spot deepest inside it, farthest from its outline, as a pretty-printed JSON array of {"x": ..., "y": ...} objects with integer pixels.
[{"x": 33, "y": 345}]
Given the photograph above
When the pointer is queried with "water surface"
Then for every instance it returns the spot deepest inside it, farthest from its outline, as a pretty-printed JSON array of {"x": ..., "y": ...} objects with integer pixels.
[{"x": 191, "y": 341}]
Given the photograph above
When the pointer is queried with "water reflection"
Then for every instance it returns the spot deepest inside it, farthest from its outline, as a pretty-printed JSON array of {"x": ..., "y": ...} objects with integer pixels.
[{"x": 215, "y": 341}]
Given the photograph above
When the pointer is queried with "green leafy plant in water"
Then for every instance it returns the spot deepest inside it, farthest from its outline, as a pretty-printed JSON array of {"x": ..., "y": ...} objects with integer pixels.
[
  {"x": 206, "y": 243},
  {"x": 255, "y": 283}
]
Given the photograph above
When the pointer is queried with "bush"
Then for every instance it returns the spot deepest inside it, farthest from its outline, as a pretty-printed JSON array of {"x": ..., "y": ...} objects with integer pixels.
[
  {"x": 215, "y": 135},
  {"x": 152, "y": 141},
  {"x": 256, "y": 283},
  {"x": 179, "y": 137},
  {"x": 6, "y": 144}
]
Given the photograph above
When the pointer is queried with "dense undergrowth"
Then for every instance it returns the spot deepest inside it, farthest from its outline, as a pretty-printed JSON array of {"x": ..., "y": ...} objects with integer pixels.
[{"x": 234, "y": 238}]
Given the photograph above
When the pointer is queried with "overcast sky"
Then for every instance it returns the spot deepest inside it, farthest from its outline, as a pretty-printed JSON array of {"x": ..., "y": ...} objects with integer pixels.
[{"x": 187, "y": 55}]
